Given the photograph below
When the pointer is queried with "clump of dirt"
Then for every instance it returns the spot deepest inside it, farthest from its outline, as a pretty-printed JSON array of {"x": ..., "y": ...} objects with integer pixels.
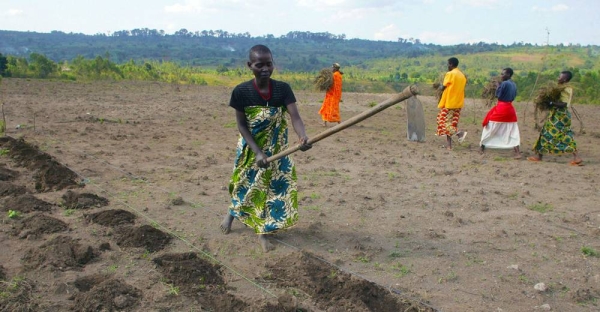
[
  {"x": 86, "y": 283},
  {"x": 74, "y": 200},
  {"x": 50, "y": 175},
  {"x": 7, "y": 174},
  {"x": 17, "y": 296},
  {"x": 586, "y": 296},
  {"x": 190, "y": 272},
  {"x": 109, "y": 295},
  {"x": 146, "y": 236},
  {"x": 39, "y": 224},
  {"x": 54, "y": 177},
  {"x": 330, "y": 287},
  {"x": 8, "y": 189},
  {"x": 197, "y": 277},
  {"x": 25, "y": 203},
  {"x": 111, "y": 217},
  {"x": 61, "y": 253}
]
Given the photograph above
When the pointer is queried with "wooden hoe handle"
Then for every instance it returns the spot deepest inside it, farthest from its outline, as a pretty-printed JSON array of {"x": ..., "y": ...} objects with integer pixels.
[{"x": 404, "y": 95}]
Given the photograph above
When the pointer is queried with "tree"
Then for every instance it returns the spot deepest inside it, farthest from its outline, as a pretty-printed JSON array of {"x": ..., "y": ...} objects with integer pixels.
[
  {"x": 41, "y": 66},
  {"x": 3, "y": 65}
]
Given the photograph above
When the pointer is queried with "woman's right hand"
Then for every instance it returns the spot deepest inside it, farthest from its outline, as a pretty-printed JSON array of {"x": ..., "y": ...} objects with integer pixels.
[{"x": 261, "y": 160}]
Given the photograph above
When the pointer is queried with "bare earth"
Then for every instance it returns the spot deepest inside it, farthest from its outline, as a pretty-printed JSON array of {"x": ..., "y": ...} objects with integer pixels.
[{"x": 119, "y": 189}]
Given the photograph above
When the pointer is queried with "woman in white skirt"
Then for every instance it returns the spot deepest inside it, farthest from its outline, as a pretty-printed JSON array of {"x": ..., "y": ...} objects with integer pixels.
[{"x": 500, "y": 128}]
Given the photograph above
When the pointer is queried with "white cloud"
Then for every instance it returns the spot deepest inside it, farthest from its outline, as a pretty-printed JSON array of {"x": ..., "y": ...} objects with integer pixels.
[
  {"x": 481, "y": 3},
  {"x": 388, "y": 33},
  {"x": 442, "y": 38},
  {"x": 13, "y": 12},
  {"x": 556, "y": 8},
  {"x": 203, "y": 6},
  {"x": 352, "y": 14},
  {"x": 560, "y": 7},
  {"x": 316, "y": 4}
]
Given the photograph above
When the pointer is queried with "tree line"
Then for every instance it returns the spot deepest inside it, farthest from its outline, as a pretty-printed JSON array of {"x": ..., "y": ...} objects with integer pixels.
[
  {"x": 423, "y": 71},
  {"x": 217, "y": 57}
]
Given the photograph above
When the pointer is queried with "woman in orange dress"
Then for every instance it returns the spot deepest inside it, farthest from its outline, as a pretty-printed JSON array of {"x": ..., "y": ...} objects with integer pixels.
[{"x": 330, "y": 110}]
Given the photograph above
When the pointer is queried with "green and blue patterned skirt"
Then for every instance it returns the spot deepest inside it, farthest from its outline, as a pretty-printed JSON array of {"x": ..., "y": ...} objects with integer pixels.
[
  {"x": 556, "y": 136},
  {"x": 265, "y": 199}
]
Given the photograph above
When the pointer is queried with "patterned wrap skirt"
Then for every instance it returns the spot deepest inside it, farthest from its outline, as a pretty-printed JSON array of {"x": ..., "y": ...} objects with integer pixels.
[
  {"x": 447, "y": 121},
  {"x": 265, "y": 199},
  {"x": 556, "y": 136}
]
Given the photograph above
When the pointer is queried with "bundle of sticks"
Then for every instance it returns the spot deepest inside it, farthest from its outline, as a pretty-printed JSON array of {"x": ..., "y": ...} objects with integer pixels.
[
  {"x": 547, "y": 94},
  {"x": 489, "y": 91},
  {"x": 437, "y": 86},
  {"x": 324, "y": 79}
]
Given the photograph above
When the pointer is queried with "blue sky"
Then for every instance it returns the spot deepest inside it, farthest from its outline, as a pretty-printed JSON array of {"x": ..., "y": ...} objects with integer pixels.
[{"x": 442, "y": 22}]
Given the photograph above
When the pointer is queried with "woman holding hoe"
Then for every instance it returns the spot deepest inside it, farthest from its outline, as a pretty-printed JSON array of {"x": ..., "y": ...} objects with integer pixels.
[{"x": 263, "y": 194}]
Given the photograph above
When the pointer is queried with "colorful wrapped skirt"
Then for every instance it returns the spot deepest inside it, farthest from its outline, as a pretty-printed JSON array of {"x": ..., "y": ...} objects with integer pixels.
[
  {"x": 556, "y": 136},
  {"x": 265, "y": 199}
]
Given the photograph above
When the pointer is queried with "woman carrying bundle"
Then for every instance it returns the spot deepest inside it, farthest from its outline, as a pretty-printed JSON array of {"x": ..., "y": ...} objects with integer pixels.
[
  {"x": 330, "y": 110},
  {"x": 500, "y": 127},
  {"x": 556, "y": 136}
]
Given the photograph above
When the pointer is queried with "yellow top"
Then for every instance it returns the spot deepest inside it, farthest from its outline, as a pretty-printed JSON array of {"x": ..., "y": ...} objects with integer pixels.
[
  {"x": 566, "y": 95},
  {"x": 454, "y": 92}
]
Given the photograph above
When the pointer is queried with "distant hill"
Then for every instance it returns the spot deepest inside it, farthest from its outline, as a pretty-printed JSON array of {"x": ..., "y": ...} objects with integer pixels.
[
  {"x": 369, "y": 66},
  {"x": 295, "y": 51}
]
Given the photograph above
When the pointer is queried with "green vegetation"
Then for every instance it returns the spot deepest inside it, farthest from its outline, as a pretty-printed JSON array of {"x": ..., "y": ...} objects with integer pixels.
[
  {"x": 13, "y": 214},
  {"x": 589, "y": 251},
  {"x": 540, "y": 207},
  {"x": 218, "y": 58}
]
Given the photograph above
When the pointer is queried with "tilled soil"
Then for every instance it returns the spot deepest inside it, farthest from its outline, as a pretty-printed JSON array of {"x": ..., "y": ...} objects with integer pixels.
[{"x": 112, "y": 194}]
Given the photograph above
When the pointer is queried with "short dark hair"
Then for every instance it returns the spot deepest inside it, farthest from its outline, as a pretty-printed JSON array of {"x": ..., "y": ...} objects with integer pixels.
[
  {"x": 509, "y": 71},
  {"x": 259, "y": 48},
  {"x": 567, "y": 73},
  {"x": 453, "y": 61}
]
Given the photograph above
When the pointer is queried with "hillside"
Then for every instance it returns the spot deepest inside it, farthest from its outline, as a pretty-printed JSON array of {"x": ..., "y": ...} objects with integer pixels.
[{"x": 218, "y": 58}]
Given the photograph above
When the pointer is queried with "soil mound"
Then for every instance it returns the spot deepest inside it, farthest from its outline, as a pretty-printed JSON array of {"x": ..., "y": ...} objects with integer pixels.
[
  {"x": 17, "y": 296},
  {"x": 86, "y": 283},
  {"x": 109, "y": 295},
  {"x": 74, "y": 200},
  {"x": 8, "y": 189},
  {"x": 330, "y": 287},
  {"x": 146, "y": 236},
  {"x": 111, "y": 217},
  {"x": 190, "y": 272},
  {"x": 50, "y": 175},
  {"x": 25, "y": 203},
  {"x": 61, "y": 253},
  {"x": 7, "y": 174},
  {"x": 39, "y": 224}
]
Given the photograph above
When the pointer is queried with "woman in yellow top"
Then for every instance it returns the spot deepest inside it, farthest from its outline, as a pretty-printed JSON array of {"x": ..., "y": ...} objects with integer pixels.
[
  {"x": 330, "y": 110},
  {"x": 451, "y": 102}
]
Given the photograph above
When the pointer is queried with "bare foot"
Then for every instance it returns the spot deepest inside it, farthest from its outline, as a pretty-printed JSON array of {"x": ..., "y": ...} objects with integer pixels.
[
  {"x": 265, "y": 243},
  {"x": 517, "y": 156},
  {"x": 325, "y": 124},
  {"x": 226, "y": 224}
]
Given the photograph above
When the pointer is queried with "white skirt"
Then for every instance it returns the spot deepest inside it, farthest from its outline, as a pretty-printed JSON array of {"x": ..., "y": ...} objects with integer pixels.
[{"x": 500, "y": 135}]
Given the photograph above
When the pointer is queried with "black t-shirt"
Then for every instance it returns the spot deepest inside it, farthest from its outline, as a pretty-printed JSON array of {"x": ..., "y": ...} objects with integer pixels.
[{"x": 245, "y": 94}]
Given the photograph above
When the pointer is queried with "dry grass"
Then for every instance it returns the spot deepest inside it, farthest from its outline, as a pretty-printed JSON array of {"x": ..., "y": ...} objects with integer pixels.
[
  {"x": 547, "y": 94},
  {"x": 489, "y": 91},
  {"x": 324, "y": 80}
]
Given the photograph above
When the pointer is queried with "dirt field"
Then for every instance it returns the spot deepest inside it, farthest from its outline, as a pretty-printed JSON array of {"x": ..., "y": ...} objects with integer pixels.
[{"x": 112, "y": 195}]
